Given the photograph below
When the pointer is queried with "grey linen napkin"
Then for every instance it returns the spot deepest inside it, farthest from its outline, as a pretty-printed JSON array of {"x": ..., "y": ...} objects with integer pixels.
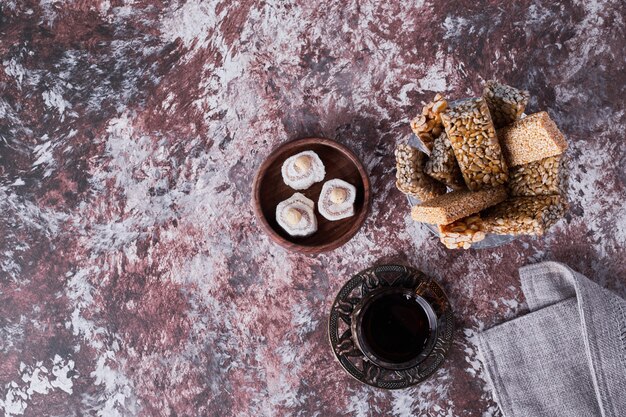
[{"x": 567, "y": 357}]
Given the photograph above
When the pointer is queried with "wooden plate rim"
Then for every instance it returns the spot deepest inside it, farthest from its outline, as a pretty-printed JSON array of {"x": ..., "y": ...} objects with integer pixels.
[{"x": 358, "y": 222}]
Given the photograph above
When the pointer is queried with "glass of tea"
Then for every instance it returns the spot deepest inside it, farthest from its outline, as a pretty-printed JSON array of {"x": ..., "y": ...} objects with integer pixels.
[{"x": 395, "y": 328}]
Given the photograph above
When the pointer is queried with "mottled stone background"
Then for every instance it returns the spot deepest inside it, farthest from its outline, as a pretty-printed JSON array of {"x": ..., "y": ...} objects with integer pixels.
[{"x": 135, "y": 279}]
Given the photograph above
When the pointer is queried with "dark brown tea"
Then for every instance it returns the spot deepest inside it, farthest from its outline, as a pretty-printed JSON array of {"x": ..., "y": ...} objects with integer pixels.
[{"x": 395, "y": 327}]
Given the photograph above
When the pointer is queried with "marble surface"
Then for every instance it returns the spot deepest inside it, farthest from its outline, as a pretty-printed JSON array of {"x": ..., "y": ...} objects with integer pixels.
[{"x": 134, "y": 277}]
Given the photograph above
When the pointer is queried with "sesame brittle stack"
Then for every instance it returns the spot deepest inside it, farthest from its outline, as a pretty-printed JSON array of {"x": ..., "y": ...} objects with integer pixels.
[{"x": 486, "y": 169}]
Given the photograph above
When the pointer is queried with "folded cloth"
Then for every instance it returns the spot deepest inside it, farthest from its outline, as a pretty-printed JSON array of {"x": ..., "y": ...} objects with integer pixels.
[{"x": 567, "y": 357}]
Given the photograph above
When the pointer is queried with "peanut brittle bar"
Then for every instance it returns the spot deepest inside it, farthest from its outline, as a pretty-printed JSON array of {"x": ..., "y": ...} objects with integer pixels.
[
  {"x": 543, "y": 177},
  {"x": 472, "y": 135},
  {"x": 455, "y": 205},
  {"x": 530, "y": 139},
  {"x": 410, "y": 176},
  {"x": 524, "y": 215},
  {"x": 428, "y": 126},
  {"x": 462, "y": 233},
  {"x": 505, "y": 103},
  {"x": 442, "y": 164}
]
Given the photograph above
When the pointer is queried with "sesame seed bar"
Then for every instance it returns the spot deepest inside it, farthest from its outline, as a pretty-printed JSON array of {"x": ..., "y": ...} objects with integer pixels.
[
  {"x": 506, "y": 104},
  {"x": 524, "y": 215},
  {"x": 442, "y": 164},
  {"x": 428, "y": 126},
  {"x": 530, "y": 139},
  {"x": 455, "y": 205},
  {"x": 462, "y": 233},
  {"x": 410, "y": 176},
  {"x": 470, "y": 130},
  {"x": 541, "y": 177}
]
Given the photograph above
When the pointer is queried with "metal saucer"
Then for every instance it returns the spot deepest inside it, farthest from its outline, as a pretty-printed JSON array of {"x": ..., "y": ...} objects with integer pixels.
[{"x": 353, "y": 361}]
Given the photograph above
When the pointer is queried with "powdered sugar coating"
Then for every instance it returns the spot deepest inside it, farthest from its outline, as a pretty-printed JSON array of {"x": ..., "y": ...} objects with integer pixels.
[
  {"x": 307, "y": 224},
  {"x": 333, "y": 211},
  {"x": 303, "y": 180}
]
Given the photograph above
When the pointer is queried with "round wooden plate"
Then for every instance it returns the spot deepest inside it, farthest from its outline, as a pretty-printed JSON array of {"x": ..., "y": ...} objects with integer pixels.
[{"x": 270, "y": 189}]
